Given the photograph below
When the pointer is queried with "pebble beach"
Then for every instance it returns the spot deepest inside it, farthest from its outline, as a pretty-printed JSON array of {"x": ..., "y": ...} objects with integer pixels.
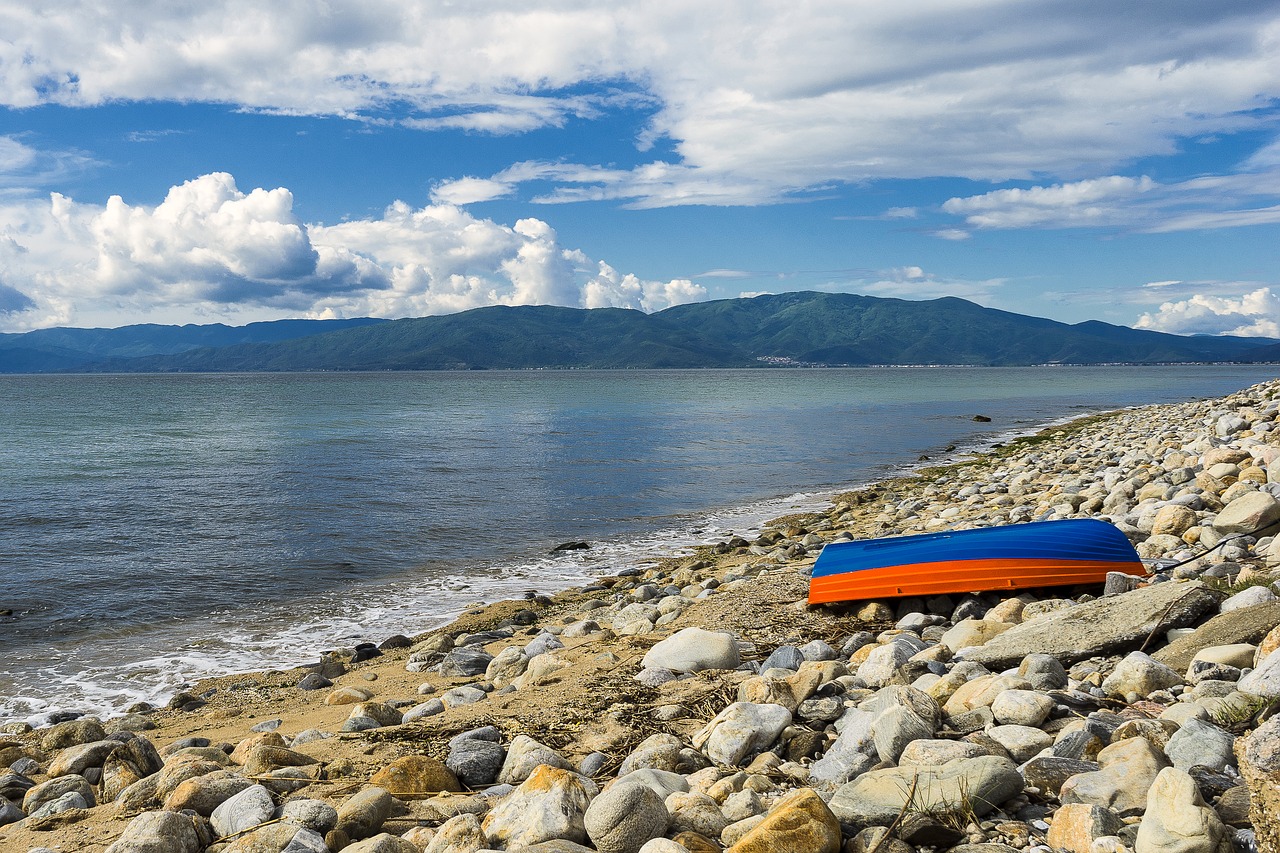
[{"x": 702, "y": 705}]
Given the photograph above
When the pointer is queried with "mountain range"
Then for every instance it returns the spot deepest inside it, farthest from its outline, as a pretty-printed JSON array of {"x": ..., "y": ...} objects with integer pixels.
[{"x": 801, "y": 329}]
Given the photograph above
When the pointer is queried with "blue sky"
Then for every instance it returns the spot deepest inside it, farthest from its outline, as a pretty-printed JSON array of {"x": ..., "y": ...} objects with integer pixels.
[{"x": 235, "y": 161}]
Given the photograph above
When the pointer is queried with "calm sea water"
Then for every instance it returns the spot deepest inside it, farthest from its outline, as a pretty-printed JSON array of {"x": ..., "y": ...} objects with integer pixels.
[{"x": 157, "y": 529}]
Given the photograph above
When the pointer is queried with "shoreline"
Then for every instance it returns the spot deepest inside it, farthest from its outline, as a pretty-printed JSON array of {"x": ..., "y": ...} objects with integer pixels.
[
  {"x": 591, "y": 694},
  {"x": 745, "y": 520}
]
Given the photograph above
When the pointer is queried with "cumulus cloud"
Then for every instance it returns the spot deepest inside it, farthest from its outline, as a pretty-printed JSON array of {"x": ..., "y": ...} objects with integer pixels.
[
  {"x": 211, "y": 249},
  {"x": 1253, "y": 314},
  {"x": 759, "y": 101}
]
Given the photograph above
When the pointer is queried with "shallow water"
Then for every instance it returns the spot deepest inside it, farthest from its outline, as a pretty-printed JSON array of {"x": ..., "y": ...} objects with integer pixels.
[{"x": 156, "y": 529}]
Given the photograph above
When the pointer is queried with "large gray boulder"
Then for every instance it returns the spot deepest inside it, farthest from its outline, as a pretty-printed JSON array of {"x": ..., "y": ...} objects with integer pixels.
[
  {"x": 1246, "y": 625},
  {"x": 968, "y": 784},
  {"x": 1099, "y": 627}
]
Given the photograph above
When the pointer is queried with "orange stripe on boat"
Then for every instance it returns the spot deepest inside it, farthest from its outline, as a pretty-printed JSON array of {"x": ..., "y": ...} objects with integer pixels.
[{"x": 947, "y": 576}]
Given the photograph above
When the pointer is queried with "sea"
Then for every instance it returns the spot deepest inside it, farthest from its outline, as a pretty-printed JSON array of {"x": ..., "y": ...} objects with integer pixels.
[{"x": 159, "y": 529}]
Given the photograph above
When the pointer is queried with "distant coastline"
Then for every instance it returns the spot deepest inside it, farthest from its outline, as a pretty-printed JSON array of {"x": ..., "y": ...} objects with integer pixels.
[{"x": 799, "y": 330}]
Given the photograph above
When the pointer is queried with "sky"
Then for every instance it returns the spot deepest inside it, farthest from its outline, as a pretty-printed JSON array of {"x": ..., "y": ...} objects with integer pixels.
[{"x": 228, "y": 161}]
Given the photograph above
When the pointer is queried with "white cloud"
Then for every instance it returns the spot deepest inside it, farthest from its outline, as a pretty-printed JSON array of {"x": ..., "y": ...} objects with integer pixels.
[
  {"x": 913, "y": 282},
  {"x": 210, "y": 249},
  {"x": 1253, "y": 314},
  {"x": 1091, "y": 202},
  {"x": 610, "y": 289},
  {"x": 759, "y": 100},
  {"x": 470, "y": 190}
]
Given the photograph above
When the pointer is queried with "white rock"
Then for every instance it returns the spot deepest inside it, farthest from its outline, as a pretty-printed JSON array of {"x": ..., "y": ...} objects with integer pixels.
[
  {"x": 741, "y": 730},
  {"x": 1177, "y": 820},
  {"x": 693, "y": 650}
]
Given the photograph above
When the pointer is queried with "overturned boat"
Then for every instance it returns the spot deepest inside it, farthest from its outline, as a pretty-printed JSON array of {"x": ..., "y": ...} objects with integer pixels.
[{"x": 1018, "y": 556}]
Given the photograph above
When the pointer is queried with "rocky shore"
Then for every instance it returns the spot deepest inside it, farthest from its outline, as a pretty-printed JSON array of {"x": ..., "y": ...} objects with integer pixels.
[{"x": 701, "y": 705}]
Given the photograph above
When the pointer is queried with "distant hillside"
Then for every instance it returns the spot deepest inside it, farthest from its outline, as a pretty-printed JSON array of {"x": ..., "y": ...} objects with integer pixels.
[
  {"x": 790, "y": 328},
  {"x": 51, "y": 350}
]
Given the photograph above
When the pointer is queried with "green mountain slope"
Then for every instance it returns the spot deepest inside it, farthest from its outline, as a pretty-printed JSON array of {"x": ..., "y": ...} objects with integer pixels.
[{"x": 796, "y": 328}]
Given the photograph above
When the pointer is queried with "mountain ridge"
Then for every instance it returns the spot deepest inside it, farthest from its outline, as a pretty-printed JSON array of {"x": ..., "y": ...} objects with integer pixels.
[{"x": 797, "y": 328}]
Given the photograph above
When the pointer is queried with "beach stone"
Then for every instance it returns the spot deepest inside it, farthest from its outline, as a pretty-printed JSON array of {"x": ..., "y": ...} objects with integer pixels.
[
  {"x": 508, "y": 665},
  {"x": 1246, "y": 625},
  {"x": 459, "y": 834},
  {"x": 1077, "y": 825},
  {"x": 243, "y": 810},
  {"x": 877, "y": 796},
  {"x": 382, "y": 713},
  {"x": 316, "y": 815},
  {"x": 926, "y": 752},
  {"x": 383, "y": 843},
  {"x": 882, "y": 662},
  {"x": 1264, "y": 680},
  {"x": 1022, "y": 707},
  {"x": 523, "y": 756},
  {"x": 1221, "y": 660},
  {"x": 1050, "y": 772},
  {"x": 245, "y": 748},
  {"x": 363, "y": 814},
  {"x": 9, "y": 813},
  {"x": 693, "y": 650},
  {"x": 158, "y": 832},
  {"x": 313, "y": 681},
  {"x": 205, "y": 793},
  {"x": 663, "y": 845},
  {"x": 1156, "y": 731},
  {"x": 784, "y": 657},
  {"x": 853, "y": 752},
  {"x": 429, "y": 708},
  {"x": 1099, "y": 627},
  {"x": 1201, "y": 743},
  {"x": 475, "y": 762},
  {"x": 1173, "y": 520},
  {"x": 899, "y": 695},
  {"x": 662, "y": 782},
  {"x": 894, "y": 728},
  {"x": 974, "y": 632},
  {"x": 623, "y": 817},
  {"x": 1250, "y": 597},
  {"x": 695, "y": 812},
  {"x": 464, "y": 662},
  {"x": 348, "y": 696},
  {"x": 741, "y": 730},
  {"x": 72, "y": 733},
  {"x": 541, "y": 644},
  {"x": 550, "y": 804},
  {"x": 981, "y": 692},
  {"x": 74, "y": 760},
  {"x": 264, "y": 758},
  {"x": 278, "y": 838},
  {"x": 1127, "y": 771},
  {"x": 1176, "y": 819},
  {"x": 800, "y": 822},
  {"x": 1021, "y": 742},
  {"x": 52, "y": 789},
  {"x": 416, "y": 774},
  {"x": 65, "y": 803},
  {"x": 660, "y": 751},
  {"x": 1247, "y": 513},
  {"x": 788, "y": 691},
  {"x": 1138, "y": 675},
  {"x": 13, "y": 786}
]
